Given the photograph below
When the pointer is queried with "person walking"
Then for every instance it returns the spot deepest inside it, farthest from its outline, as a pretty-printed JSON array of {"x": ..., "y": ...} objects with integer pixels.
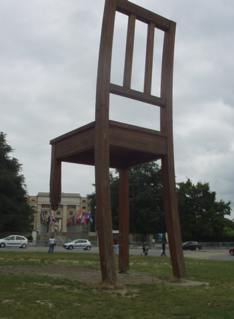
[
  {"x": 52, "y": 243},
  {"x": 145, "y": 249},
  {"x": 164, "y": 241}
]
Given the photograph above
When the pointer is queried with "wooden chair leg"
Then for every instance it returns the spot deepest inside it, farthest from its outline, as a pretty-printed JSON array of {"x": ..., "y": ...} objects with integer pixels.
[
  {"x": 123, "y": 221},
  {"x": 172, "y": 218},
  {"x": 55, "y": 181},
  {"x": 104, "y": 218}
]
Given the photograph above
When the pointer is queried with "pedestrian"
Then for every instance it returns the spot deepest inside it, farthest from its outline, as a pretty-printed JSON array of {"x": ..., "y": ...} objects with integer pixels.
[
  {"x": 116, "y": 247},
  {"x": 164, "y": 241},
  {"x": 52, "y": 243},
  {"x": 145, "y": 249}
]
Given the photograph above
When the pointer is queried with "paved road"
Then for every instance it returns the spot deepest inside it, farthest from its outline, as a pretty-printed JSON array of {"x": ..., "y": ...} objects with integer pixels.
[{"x": 211, "y": 254}]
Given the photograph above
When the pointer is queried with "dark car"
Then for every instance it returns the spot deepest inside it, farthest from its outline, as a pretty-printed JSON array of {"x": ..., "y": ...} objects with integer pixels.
[
  {"x": 191, "y": 245},
  {"x": 231, "y": 251}
]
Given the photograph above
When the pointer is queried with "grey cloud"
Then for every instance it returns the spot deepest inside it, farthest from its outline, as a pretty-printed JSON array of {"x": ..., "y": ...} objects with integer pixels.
[{"x": 48, "y": 62}]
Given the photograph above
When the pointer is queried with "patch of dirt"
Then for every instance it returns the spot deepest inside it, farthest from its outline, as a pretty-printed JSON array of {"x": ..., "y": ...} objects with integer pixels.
[
  {"x": 90, "y": 276},
  {"x": 86, "y": 275}
]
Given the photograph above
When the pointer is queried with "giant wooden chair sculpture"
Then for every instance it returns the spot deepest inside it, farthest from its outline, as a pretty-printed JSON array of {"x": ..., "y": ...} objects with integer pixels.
[{"x": 105, "y": 143}]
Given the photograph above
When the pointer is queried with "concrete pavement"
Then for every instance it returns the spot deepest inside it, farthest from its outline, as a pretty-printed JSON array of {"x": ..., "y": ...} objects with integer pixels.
[{"x": 206, "y": 253}]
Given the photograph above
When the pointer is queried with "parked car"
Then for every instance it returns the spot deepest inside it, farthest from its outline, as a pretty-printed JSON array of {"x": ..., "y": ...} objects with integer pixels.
[
  {"x": 14, "y": 241},
  {"x": 78, "y": 243},
  {"x": 191, "y": 245},
  {"x": 231, "y": 251}
]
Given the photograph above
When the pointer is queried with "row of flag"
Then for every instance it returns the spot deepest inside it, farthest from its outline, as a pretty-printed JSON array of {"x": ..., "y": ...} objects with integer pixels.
[{"x": 80, "y": 218}]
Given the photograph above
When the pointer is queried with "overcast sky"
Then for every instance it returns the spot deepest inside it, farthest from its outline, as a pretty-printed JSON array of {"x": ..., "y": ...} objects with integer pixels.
[{"x": 48, "y": 61}]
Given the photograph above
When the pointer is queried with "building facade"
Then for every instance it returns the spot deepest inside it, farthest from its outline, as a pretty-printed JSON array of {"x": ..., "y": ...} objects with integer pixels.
[{"x": 72, "y": 216}]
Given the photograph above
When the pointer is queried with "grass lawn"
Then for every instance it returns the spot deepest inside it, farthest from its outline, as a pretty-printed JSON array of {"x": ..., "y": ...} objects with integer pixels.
[{"x": 38, "y": 285}]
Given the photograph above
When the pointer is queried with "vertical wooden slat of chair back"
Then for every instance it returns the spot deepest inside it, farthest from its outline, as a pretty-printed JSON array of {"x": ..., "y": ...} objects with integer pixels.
[
  {"x": 149, "y": 59},
  {"x": 129, "y": 51}
]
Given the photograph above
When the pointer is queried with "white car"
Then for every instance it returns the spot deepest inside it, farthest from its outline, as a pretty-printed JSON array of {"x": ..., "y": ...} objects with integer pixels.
[
  {"x": 78, "y": 243},
  {"x": 14, "y": 241}
]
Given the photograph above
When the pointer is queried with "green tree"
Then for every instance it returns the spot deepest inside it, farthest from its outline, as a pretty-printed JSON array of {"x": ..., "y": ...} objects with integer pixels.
[
  {"x": 228, "y": 230},
  {"x": 146, "y": 206},
  {"x": 202, "y": 216},
  {"x": 15, "y": 213},
  {"x": 145, "y": 199}
]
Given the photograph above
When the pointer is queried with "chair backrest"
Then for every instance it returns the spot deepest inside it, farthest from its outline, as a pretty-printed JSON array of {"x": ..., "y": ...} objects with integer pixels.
[{"x": 104, "y": 85}]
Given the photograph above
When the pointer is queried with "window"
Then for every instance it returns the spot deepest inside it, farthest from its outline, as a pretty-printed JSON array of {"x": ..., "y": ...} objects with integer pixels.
[
  {"x": 19, "y": 238},
  {"x": 10, "y": 238}
]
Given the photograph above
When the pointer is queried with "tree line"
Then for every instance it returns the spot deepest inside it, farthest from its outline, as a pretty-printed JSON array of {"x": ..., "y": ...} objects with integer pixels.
[{"x": 203, "y": 217}]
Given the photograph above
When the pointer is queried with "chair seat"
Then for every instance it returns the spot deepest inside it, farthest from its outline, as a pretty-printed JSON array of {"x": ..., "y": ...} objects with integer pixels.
[{"x": 129, "y": 145}]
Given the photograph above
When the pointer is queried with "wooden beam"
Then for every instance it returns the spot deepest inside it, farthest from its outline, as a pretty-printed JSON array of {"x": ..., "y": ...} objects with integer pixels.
[
  {"x": 167, "y": 80},
  {"x": 129, "y": 52},
  {"x": 102, "y": 148},
  {"x": 149, "y": 59},
  {"x": 123, "y": 221},
  {"x": 142, "y": 14},
  {"x": 138, "y": 140},
  {"x": 55, "y": 180},
  {"x": 75, "y": 144},
  {"x": 136, "y": 95},
  {"x": 168, "y": 171},
  {"x": 172, "y": 218}
]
